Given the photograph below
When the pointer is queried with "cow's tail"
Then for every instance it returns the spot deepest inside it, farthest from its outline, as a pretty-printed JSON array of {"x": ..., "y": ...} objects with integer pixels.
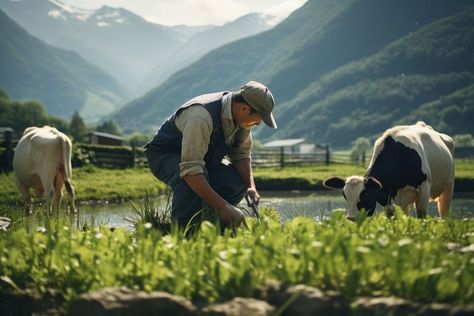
[
  {"x": 67, "y": 151},
  {"x": 448, "y": 141}
]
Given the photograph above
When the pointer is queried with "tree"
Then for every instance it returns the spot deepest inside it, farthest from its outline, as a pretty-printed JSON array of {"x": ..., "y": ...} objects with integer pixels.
[
  {"x": 3, "y": 94},
  {"x": 109, "y": 127},
  {"x": 359, "y": 149},
  {"x": 463, "y": 140},
  {"x": 78, "y": 128},
  {"x": 138, "y": 139}
]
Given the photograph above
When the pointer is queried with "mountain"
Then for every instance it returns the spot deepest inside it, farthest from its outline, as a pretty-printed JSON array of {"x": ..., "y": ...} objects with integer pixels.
[
  {"x": 62, "y": 80},
  {"x": 114, "y": 39},
  {"x": 45, "y": 19},
  {"x": 338, "y": 69},
  {"x": 416, "y": 77},
  {"x": 205, "y": 41},
  {"x": 122, "y": 43},
  {"x": 186, "y": 31}
]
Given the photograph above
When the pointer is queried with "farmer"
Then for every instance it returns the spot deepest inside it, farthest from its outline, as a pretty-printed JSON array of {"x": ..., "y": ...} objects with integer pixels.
[{"x": 187, "y": 151}]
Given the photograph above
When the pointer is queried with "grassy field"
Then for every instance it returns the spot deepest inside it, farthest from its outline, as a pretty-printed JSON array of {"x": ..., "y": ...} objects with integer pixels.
[
  {"x": 423, "y": 260},
  {"x": 429, "y": 260},
  {"x": 119, "y": 184}
]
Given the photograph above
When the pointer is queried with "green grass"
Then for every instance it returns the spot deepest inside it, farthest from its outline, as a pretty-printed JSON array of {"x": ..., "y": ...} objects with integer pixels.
[
  {"x": 96, "y": 184},
  {"x": 117, "y": 184},
  {"x": 428, "y": 260},
  {"x": 312, "y": 174}
]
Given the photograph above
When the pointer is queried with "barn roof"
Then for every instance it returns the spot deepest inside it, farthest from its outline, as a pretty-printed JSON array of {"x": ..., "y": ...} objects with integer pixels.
[
  {"x": 107, "y": 135},
  {"x": 284, "y": 142}
]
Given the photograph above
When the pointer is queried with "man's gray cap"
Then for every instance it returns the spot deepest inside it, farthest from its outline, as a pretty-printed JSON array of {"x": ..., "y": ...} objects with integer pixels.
[{"x": 261, "y": 99}]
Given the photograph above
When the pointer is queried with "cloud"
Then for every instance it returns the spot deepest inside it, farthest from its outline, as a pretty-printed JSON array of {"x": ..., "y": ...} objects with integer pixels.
[
  {"x": 194, "y": 12},
  {"x": 283, "y": 9}
]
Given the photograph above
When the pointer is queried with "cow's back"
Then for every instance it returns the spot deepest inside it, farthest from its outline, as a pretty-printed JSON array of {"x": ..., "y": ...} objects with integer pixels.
[
  {"x": 23, "y": 158},
  {"x": 435, "y": 150},
  {"x": 38, "y": 154}
]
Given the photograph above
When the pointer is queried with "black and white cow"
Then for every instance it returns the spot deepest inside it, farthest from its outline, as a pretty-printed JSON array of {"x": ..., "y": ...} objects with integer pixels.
[{"x": 410, "y": 164}]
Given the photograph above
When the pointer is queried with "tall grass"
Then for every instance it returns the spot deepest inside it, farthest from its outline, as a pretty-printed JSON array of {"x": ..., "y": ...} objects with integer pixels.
[{"x": 427, "y": 260}]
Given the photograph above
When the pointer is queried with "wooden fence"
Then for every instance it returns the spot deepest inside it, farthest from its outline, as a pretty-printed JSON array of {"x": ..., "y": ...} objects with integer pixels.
[
  {"x": 282, "y": 159},
  {"x": 108, "y": 156},
  {"x": 83, "y": 154},
  {"x": 133, "y": 156},
  {"x": 7, "y": 145}
]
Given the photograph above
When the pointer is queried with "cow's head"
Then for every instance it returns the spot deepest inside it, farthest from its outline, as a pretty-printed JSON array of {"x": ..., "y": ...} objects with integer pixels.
[{"x": 358, "y": 191}]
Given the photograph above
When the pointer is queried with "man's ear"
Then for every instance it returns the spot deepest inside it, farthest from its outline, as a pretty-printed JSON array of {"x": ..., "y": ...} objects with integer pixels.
[
  {"x": 334, "y": 183},
  {"x": 246, "y": 108},
  {"x": 373, "y": 184}
]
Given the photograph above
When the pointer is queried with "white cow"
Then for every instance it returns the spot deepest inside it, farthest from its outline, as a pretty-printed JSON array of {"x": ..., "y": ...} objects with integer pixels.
[
  {"x": 42, "y": 161},
  {"x": 410, "y": 164}
]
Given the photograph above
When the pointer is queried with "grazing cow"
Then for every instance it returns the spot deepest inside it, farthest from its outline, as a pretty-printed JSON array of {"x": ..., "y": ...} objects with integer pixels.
[
  {"x": 410, "y": 164},
  {"x": 42, "y": 161}
]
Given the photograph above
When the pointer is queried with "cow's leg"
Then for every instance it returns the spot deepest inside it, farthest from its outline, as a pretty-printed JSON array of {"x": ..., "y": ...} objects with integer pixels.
[
  {"x": 48, "y": 194},
  {"x": 58, "y": 192},
  {"x": 71, "y": 196},
  {"x": 444, "y": 200},
  {"x": 423, "y": 199},
  {"x": 25, "y": 194},
  {"x": 405, "y": 198}
]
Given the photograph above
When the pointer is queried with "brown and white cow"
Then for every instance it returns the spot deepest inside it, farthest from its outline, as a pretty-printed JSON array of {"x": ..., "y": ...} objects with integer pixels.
[
  {"x": 42, "y": 161},
  {"x": 410, "y": 164}
]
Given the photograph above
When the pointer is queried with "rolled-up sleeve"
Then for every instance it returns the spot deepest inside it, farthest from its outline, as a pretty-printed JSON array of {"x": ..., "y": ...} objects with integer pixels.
[
  {"x": 196, "y": 137},
  {"x": 244, "y": 145}
]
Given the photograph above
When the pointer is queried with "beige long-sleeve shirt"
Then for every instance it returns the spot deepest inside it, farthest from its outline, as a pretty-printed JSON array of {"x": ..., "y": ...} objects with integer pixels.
[{"x": 195, "y": 123}]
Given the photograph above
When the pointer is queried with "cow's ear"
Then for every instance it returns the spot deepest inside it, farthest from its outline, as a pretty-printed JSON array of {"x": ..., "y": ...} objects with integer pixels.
[
  {"x": 373, "y": 184},
  {"x": 334, "y": 183}
]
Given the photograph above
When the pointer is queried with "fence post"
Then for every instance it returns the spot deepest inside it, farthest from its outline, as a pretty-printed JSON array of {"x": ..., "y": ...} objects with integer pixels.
[
  {"x": 282, "y": 157},
  {"x": 8, "y": 151},
  {"x": 363, "y": 158},
  {"x": 328, "y": 155},
  {"x": 133, "y": 155}
]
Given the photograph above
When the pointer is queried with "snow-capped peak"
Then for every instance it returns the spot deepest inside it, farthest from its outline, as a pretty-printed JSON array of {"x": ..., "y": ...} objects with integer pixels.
[{"x": 63, "y": 11}]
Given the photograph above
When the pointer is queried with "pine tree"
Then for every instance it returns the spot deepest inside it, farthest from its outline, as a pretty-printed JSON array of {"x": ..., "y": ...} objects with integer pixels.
[
  {"x": 109, "y": 127},
  {"x": 78, "y": 128}
]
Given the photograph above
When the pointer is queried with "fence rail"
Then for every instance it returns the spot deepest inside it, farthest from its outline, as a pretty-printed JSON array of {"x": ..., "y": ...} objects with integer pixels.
[
  {"x": 282, "y": 159},
  {"x": 126, "y": 156}
]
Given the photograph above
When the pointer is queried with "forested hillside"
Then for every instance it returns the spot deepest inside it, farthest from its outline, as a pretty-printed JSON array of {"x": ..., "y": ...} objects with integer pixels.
[
  {"x": 61, "y": 80},
  {"x": 426, "y": 75},
  {"x": 339, "y": 69},
  {"x": 203, "y": 42}
]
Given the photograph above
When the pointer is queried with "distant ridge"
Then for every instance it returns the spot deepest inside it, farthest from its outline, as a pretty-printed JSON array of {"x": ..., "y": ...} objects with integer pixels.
[
  {"x": 62, "y": 80},
  {"x": 339, "y": 69}
]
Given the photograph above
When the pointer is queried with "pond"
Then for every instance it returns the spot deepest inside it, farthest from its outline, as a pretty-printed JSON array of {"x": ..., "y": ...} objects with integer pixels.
[{"x": 289, "y": 204}]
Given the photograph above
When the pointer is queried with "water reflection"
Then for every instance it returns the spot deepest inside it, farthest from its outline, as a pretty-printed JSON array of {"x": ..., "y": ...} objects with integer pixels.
[{"x": 290, "y": 204}]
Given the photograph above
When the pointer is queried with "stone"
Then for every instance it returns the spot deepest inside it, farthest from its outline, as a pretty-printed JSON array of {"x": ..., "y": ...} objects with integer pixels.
[
  {"x": 386, "y": 306},
  {"x": 239, "y": 307},
  {"x": 123, "y": 301}
]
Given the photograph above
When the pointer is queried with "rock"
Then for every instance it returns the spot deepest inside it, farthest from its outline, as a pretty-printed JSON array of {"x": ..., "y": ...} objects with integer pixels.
[
  {"x": 239, "y": 307},
  {"x": 302, "y": 300},
  {"x": 312, "y": 301},
  {"x": 25, "y": 303},
  {"x": 124, "y": 302},
  {"x": 16, "y": 304},
  {"x": 389, "y": 306},
  {"x": 392, "y": 306}
]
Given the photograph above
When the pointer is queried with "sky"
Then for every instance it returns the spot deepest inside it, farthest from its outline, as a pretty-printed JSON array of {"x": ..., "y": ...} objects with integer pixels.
[{"x": 194, "y": 12}]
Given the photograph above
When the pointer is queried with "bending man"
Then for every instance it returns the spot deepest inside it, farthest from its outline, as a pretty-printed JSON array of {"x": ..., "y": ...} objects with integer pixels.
[{"x": 187, "y": 151}]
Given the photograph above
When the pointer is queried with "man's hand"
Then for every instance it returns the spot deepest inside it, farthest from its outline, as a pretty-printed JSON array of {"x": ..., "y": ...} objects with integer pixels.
[
  {"x": 230, "y": 215},
  {"x": 253, "y": 196}
]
